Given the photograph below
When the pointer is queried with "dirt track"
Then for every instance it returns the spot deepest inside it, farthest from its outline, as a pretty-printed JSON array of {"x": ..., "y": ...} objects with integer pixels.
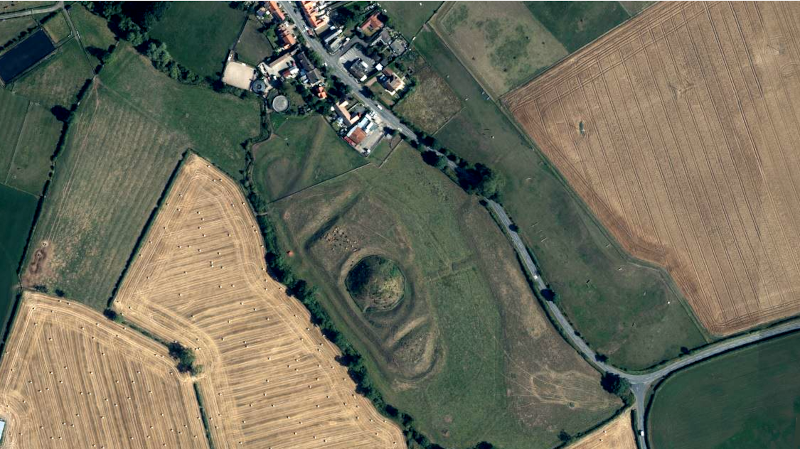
[
  {"x": 270, "y": 378},
  {"x": 71, "y": 378},
  {"x": 679, "y": 130}
]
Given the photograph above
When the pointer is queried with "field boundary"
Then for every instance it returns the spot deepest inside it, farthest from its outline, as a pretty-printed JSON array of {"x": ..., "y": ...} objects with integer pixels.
[
  {"x": 16, "y": 145},
  {"x": 367, "y": 164}
]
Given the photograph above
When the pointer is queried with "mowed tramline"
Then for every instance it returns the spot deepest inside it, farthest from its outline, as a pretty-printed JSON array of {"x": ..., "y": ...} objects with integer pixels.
[
  {"x": 679, "y": 130},
  {"x": 269, "y": 378},
  {"x": 71, "y": 378}
]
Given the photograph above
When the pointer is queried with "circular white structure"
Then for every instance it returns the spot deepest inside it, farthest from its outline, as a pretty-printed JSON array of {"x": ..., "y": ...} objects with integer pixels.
[{"x": 280, "y": 103}]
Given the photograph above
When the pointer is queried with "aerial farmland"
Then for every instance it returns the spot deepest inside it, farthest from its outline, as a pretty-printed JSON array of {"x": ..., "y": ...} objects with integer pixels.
[{"x": 677, "y": 131}]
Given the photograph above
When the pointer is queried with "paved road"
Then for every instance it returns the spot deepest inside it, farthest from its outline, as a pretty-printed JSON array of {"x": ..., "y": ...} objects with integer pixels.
[
  {"x": 640, "y": 383},
  {"x": 28, "y": 12}
]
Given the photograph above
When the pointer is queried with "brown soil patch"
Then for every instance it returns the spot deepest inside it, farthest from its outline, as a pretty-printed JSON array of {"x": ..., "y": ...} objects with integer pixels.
[
  {"x": 270, "y": 378},
  {"x": 679, "y": 130},
  {"x": 71, "y": 378}
]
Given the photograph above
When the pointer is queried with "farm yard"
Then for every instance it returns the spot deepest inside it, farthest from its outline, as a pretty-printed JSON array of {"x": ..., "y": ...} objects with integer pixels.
[
  {"x": 466, "y": 320},
  {"x": 302, "y": 152},
  {"x": 72, "y": 378},
  {"x": 269, "y": 377},
  {"x": 502, "y": 43},
  {"x": 746, "y": 399},
  {"x": 680, "y": 141},
  {"x": 432, "y": 103},
  {"x": 617, "y": 434},
  {"x": 198, "y": 35},
  {"x": 620, "y": 305}
]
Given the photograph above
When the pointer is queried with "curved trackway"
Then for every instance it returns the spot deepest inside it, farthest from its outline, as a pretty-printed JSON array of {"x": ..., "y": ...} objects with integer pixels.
[{"x": 640, "y": 383}]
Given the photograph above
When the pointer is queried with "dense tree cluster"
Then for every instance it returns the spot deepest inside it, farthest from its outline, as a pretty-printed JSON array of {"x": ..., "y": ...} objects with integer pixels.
[{"x": 185, "y": 358}]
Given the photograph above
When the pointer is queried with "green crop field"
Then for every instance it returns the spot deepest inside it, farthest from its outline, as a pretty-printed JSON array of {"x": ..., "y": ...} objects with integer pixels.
[
  {"x": 11, "y": 28},
  {"x": 502, "y": 44},
  {"x": 93, "y": 30},
  {"x": 122, "y": 146},
  {"x": 432, "y": 103},
  {"x": 57, "y": 80},
  {"x": 576, "y": 24},
  {"x": 302, "y": 152},
  {"x": 746, "y": 399},
  {"x": 408, "y": 17},
  {"x": 198, "y": 35},
  {"x": 38, "y": 137},
  {"x": 57, "y": 28},
  {"x": 16, "y": 216},
  {"x": 624, "y": 309},
  {"x": 253, "y": 47},
  {"x": 467, "y": 350}
]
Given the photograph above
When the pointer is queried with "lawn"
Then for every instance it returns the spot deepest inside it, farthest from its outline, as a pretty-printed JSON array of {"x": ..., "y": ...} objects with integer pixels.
[
  {"x": 124, "y": 143},
  {"x": 302, "y": 152},
  {"x": 624, "y": 309},
  {"x": 16, "y": 216},
  {"x": 253, "y": 47},
  {"x": 501, "y": 42},
  {"x": 57, "y": 28},
  {"x": 432, "y": 103},
  {"x": 11, "y": 28},
  {"x": 576, "y": 24},
  {"x": 467, "y": 351},
  {"x": 37, "y": 141},
  {"x": 746, "y": 399},
  {"x": 409, "y": 17},
  {"x": 93, "y": 30},
  {"x": 198, "y": 35},
  {"x": 57, "y": 80}
]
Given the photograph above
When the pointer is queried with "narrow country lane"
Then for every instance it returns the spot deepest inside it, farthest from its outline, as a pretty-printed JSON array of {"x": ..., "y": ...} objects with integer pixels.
[{"x": 29, "y": 12}]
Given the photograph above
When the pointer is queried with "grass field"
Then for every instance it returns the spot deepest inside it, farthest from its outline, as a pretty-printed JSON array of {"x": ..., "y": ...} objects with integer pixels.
[
  {"x": 16, "y": 216},
  {"x": 408, "y": 17},
  {"x": 72, "y": 378},
  {"x": 635, "y": 7},
  {"x": 709, "y": 197},
  {"x": 747, "y": 399},
  {"x": 617, "y": 434},
  {"x": 269, "y": 377},
  {"x": 57, "y": 28},
  {"x": 621, "y": 313},
  {"x": 125, "y": 141},
  {"x": 575, "y": 24},
  {"x": 467, "y": 321},
  {"x": 57, "y": 80},
  {"x": 94, "y": 31},
  {"x": 501, "y": 42},
  {"x": 302, "y": 152},
  {"x": 37, "y": 141},
  {"x": 253, "y": 47},
  {"x": 12, "y": 115},
  {"x": 432, "y": 103},
  {"x": 198, "y": 35},
  {"x": 9, "y": 29},
  {"x": 7, "y": 7}
]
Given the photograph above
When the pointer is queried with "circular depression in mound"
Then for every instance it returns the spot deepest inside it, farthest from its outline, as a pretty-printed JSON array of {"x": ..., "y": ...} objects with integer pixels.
[{"x": 375, "y": 282}]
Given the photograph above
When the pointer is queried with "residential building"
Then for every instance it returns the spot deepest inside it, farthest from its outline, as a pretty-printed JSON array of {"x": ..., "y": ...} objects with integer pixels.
[
  {"x": 391, "y": 82},
  {"x": 372, "y": 25},
  {"x": 344, "y": 114},
  {"x": 314, "y": 14},
  {"x": 358, "y": 69},
  {"x": 285, "y": 36},
  {"x": 398, "y": 46},
  {"x": 314, "y": 77},
  {"x": 304, "y": 63},
  {"x": 276, "y": 12}
]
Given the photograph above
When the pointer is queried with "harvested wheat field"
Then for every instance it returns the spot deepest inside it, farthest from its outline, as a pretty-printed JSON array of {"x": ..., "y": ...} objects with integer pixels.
[
  {"x": 617, "y": 434},
  {"x": 72, "y": 378},
  {"x": 270, "y": 379},
  {"x": 679, "y": 130}
]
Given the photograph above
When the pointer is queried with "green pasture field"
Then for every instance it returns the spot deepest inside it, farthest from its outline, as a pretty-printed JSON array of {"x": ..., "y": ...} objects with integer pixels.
[
  {"x": 432, "y": 102},
  {"x": 199, "y": 34},
  {"x": 467, "y": 350},
  {"x": 409, "y": 17},
  {"x": 253, "y": 47},
  {"x": 634, "y": 7},
  {"x": 9, "y": 29},
  {"x": 94, "y": 31},
  {"x": 7, "y": 7},
  {"x": 12, "y": 113},
  {"x": 576, "y": 24},
  {"x": 125, "y": 141},
  {"x": 57, "y": 80},
  {"x": 619, "y": 305},
  {"x": 502, "y": 44},
  {"x": 37, "y": 141},
  {"x": 300, "y": 153},
  {"x": 16, "y": 216},
  {"x": 745, "y": 399},
  {"x": 57, "y": 28}
]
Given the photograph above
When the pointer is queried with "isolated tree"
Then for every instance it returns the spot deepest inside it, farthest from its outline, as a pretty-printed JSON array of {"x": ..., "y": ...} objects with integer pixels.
[
  {"x": 564, "y": 436},
  {"x": 614, "y": 384},
  {"x": 548, "y": 294}
]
